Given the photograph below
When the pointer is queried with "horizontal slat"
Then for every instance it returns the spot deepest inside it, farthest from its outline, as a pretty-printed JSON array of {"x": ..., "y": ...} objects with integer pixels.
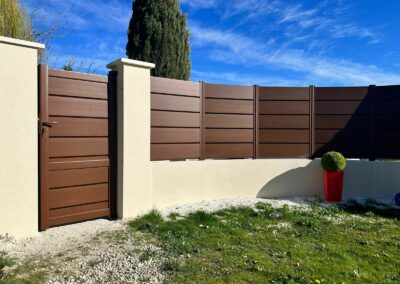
[
  {"x": 79, "y": 217},
  {"x": 65, "y": 197},
  {"x": 352, "y": 150},
  {"x": 284, "y": 121},
  {"x": 65, "y": 106},
  {"x": 229, "y": 135},
  {"x": 78, "y": 164},
  {"x": 161, "y": 152},
  {"x": 80, "y": 209},
  {"x": 67, "y": 178},
  {"x": 174, "y": 103},
  {"x": 284, "y": 107},
  {"x": 387, "y": 92},
  {"x": 174, "y": 119},
  {"x": 74, "y": 147},
  {"x": 75, "y": 159},
  {"x": 341, "y": 136},
  {"x": 175, "y": 87},
  {"x": 341, "y": 107},
  {"x": 387, "y": 150},
  {"x": 229, "y": 106},
  {"x": 284, "y": 136},
  {"x": 388, "y": 121},
  {"x": 228, "y": 92},
  {"x": 77, "y": 88},
  {"x": 228, "y": 121},
  {"x": 342, "y": 121},
  {"x": 387, "y": 136},
  {"x": 77, "y": 76},
  {"x": 68, "y": 126},
  {"x": 388, "y": 107},
  {"x": 340, "y": 93},
  {"x": 284, "y": 93},
  {"x": 284, "y": 150},
  {"x": 229, "y": 151},
  {"x": 175, "y": 135}
]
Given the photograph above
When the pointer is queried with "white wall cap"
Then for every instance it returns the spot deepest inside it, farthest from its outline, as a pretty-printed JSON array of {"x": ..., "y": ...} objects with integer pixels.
[
  {"x": 23, "y": 43},
  {"x": 130, "y": 62}
]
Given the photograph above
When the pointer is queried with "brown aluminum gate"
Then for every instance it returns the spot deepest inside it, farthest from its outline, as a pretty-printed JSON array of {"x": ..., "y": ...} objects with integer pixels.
[{"x": 76, "y": 147}]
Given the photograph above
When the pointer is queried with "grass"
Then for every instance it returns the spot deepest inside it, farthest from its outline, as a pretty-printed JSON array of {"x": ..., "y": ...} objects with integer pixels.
[
  {"x": 351, "y": 244},
  {"x": 30, "y": 272}
]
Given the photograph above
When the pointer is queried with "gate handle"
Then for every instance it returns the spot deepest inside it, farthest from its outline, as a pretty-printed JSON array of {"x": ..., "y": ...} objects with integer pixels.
[{"x": 49, "y": 124}]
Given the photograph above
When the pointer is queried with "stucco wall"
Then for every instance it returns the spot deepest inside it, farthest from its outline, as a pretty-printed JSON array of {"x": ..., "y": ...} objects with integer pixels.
[
  {"x": 133, "y": 122},
  {"x": 194, "y": 181},
  {"x": 19, "y": 137}
]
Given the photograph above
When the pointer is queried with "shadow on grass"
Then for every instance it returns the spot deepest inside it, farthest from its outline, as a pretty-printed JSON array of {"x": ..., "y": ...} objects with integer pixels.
[{"x": 377, "y": 209}]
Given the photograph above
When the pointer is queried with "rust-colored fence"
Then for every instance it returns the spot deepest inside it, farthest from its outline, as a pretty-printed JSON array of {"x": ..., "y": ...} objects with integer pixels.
[
  {"x": 176, "y": 119},
  {"x": 228, "y": 121},
  {"x": 210, "y": 121},
  {"x": 75, "y": 155},
  {"x": 284, "y": 122}
]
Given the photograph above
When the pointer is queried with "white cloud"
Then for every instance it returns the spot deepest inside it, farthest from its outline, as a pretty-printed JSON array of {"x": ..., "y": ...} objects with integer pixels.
[
  {"x": 112, "y": 16},
  {"x": 327, "y": 21},
  {"x": 244, "y": 79},
  {"x": 234, "y": 48},
  {"x": 200, "y": 4}
]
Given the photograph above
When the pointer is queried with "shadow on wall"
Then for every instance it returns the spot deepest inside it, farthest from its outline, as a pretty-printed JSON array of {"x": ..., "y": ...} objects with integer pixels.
[
  {"x": 363, "y": 179},
  {"x": 299, "y": 182}
]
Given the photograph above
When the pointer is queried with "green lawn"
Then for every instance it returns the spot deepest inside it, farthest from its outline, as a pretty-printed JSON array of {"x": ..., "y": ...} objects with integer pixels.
[{"x": 353, "y": 244}]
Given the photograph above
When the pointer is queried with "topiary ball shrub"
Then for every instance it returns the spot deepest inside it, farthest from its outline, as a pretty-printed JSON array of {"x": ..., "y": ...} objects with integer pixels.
[{"x": 333, "y": 162}]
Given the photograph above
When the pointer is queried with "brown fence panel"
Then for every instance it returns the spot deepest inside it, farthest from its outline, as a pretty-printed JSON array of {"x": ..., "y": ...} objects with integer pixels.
[
  {"x": 76, "y": 148},
  {"x": 342, "y": 121},
  {"x": 199, "y": 120},
  {"x": 229, "y": 121},
  {"x": 387, "y": 122},
  {"x": 175, "y": 119},
  {"x": 284, "y": 122}
]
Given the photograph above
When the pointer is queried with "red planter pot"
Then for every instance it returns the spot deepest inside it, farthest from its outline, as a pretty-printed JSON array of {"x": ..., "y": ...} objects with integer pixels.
[{"x": 333, "y": 186}]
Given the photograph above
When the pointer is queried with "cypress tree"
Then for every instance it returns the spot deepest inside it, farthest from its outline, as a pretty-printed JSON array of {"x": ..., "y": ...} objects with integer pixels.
[{"x": 158, "y": 34}]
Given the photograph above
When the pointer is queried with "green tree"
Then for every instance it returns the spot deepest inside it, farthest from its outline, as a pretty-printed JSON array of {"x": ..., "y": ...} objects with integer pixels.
[
  {"x": 158, "y": 33},
  {"x": 14, "y": 21}
]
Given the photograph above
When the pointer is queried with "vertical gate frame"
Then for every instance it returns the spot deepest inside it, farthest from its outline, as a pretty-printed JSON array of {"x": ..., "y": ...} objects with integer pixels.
[{"x": 43, "y": 147}]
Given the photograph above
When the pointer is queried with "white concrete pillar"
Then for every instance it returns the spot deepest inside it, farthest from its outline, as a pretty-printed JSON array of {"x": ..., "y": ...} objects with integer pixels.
[
  {"x": 19, "y": 191},
  {"x": 133, "y": 120}
]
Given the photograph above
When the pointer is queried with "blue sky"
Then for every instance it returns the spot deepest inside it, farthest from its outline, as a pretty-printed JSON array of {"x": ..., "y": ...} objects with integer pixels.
[{"x": 265, "y": 42}]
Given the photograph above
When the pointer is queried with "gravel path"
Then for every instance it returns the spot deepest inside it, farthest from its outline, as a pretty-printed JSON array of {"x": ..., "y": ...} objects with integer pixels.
[
  {"x": 215, "y": 205},
  {"x": 98, "y": 251},
  {"x": 104, "y": 252}
]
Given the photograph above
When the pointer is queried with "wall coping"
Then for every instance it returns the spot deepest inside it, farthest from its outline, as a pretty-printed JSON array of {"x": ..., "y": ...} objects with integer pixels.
[
  {"x": 130, "y": 62},
  {"x": 23, "y": 43}
]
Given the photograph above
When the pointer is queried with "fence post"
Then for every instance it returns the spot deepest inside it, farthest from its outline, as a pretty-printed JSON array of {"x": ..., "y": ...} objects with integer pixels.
[
  {"x": 133, "y": 131},
  {"x": 202, "y": 121},
  {"x": 372, "y": 101},
  {"x": 113, "y": 139},
  {"x": 256, "y": 133},
  {"x": 312, "y": 121}
]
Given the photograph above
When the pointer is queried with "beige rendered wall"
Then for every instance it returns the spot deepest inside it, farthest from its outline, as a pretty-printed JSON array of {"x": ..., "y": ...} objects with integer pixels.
[
  {"x": 133, "y": 104},
  {"x": 194, "y": 181},
  {"x": 19, "y": 137}
]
